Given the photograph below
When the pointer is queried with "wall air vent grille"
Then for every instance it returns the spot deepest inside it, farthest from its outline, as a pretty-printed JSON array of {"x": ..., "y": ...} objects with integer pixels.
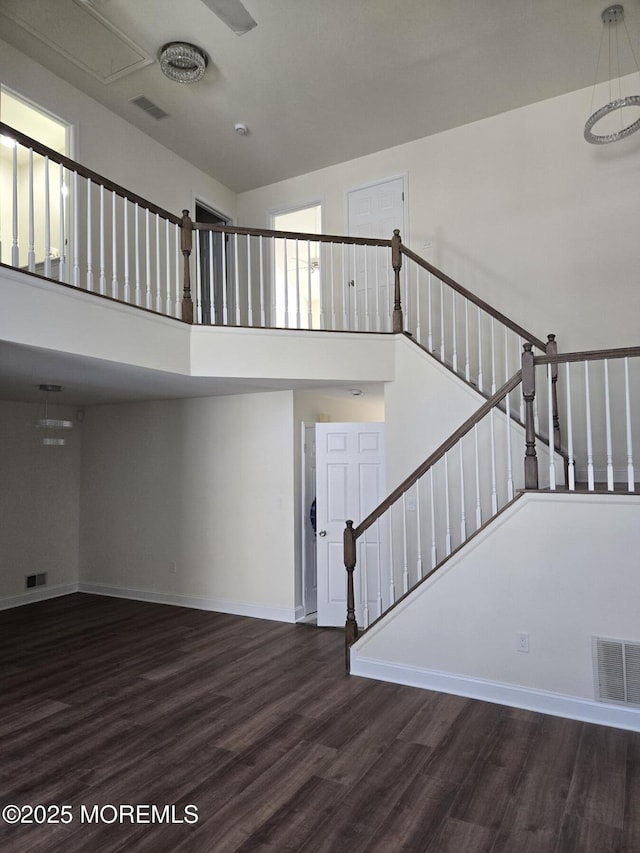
[
  {"x": 149, "y": 107},
  {"x": 617, "y": 671}
]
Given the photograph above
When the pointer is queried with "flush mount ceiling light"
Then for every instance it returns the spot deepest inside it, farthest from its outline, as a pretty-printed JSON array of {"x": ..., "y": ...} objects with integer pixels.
[
  {"x": 611, "y": 17},
  {"x": 183, "y": 62}
]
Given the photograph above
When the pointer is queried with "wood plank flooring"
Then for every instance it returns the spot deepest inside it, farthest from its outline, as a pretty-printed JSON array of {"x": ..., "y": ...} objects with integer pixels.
[{"x": 111, "y": 703}]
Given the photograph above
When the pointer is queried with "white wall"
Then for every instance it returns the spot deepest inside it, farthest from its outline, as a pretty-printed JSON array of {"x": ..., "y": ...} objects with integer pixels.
[
  {"x": 423, "y": 405},
  {"x": 518, "y": 208},
  {"x": 562, "y": 568},
  {"x": 39, "y": 503},
  {"x": 111, "y": 146},
  {"x": 206, "y": 483}
]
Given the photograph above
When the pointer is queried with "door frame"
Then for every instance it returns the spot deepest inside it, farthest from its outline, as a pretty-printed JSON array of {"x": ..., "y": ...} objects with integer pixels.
[{"x": 307, "y": 538}]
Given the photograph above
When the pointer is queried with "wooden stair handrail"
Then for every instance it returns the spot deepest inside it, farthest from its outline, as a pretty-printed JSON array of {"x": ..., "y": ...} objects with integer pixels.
[
  {"x": 89, "y": 174},
  {"x": 431, "y": 460},
  {"x": 454, "y": 285},
  {"x": 290, "y": 235},
  {"x": 588, "y": 355}
]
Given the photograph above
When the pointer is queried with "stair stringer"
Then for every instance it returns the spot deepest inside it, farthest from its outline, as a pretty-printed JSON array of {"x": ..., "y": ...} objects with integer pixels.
[{"x": 559, "y": 567}]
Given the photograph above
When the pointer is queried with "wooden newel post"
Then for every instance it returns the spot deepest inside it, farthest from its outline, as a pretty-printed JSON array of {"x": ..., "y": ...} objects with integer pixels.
[
  {"x": 186, "y": 244},
  {"x": 350, "y": 626},
  {"x": 529, "y": 393},
  {"x": 396, "y": 263},
  {"x": 552, "y": 349}
]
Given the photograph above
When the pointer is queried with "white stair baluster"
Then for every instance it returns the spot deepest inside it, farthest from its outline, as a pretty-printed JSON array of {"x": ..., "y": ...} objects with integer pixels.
[
  {"x": 15, "y": 250},
  {"x": 494, "y": 491},
  {"x": 31, "y": 255},
  {"x": 430, "y": 315},
  {"x": 405, "y": 551},
  {"x": 607, "y": 404},
  {"x": 298, "y": 323},
  {"x": 177, "y": 256},
  {"x": 147, "y": 249},
  {"x": 364, "y": 581},
  {"x": 125, "y": 226},
  {"x": 477, "y": 468},
  {"x": 286, "y": 283},
  {"x": 225, "y": 281},
  {"x": 237, "y": 279},
  {"x": 392, "y": 586},
  {"x": 432, "y": 507},
  {"x": 442, "y": 335},
  {"x": 249, "y": 284},
  {"x": 211, "y": 288},
  {"x": 89, "y": 238},
  {"x": 467, "y": 343},
  {"x": 158, "y": 271},
  {"x": 493, "y": 357},
  {"x": 418, "y": 306},
  {"x": 167, "y": 266},
  {"x": 379, "y": 566},
  {"x": 346, "y": 290},
  {"x": 333, "y": 290},
  {"x": 76, "y": 228},
  {"x": 552, "y": 453},
  {"x": 321, "y": 249},
  {"x": 447, "y": 508},
  {"x": 309, "y": 294},
  {"x": 263, "y": 307},
  {"x": 510, "y": 490},
  {"x": 463, "y": 514},
  {"x": 480, "y": 376},
  {"x": 454, "y": 338},
  {"x": 47, "y": 221},
  {"x": 590, "y": 472},
  {"x": 631, "y": 484},
  {"x": 62, "y": 254},
  {"x": 198, "y": 283},
  {"x": 520, "y": 347},
  {"x": 114, "y": 248},
  {"x": 136, "y": 238},
  {"x": 367, "y": 317},
  {"x": 355, "y": 279},
  {"x": 102, "y": 280},
  {"x": 419, "y": 561},
  {"x": 571, "y": 462}
]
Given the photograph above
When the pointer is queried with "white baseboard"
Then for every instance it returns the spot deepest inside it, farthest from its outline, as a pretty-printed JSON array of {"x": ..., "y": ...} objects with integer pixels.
[
  {"x": 217, "y": 605},
  {"x": 557, "y": 705},
  {"x": 41, "y": 594}
]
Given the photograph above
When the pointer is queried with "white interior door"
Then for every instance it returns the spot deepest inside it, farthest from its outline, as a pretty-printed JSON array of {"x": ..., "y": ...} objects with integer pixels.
[
  {"x": 374, "y": 211},
  {"x": 350, "y": 483}
]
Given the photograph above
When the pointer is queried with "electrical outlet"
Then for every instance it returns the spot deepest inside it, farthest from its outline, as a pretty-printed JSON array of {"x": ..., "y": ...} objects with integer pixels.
[{"x": 522, "y": 641}]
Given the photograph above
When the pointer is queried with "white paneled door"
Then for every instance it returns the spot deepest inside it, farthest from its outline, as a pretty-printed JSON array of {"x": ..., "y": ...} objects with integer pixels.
[
  {"x": 350, "y": 483},
  {"x": 373, "y": 211}
]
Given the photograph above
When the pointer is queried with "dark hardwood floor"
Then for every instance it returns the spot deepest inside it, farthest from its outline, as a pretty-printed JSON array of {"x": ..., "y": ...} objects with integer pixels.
[{"x": 114, "y": 704}]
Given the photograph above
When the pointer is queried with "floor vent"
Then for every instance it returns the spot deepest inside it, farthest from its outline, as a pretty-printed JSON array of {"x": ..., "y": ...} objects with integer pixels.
[
  {"x": 149, "y": 107},
  {"x": 32, "y": 581},
  {"x": 617, "y": 671}
]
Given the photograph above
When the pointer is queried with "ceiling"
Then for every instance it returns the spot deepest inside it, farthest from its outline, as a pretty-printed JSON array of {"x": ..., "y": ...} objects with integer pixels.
[{"x": 320, "y": 82}]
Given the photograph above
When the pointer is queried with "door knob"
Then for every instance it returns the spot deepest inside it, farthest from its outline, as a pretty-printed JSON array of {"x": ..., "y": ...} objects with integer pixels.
[{"x": 322, "y": 533}]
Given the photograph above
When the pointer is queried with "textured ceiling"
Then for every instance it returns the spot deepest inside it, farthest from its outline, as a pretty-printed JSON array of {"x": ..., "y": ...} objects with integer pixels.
[{"x": 323, "y": 81}]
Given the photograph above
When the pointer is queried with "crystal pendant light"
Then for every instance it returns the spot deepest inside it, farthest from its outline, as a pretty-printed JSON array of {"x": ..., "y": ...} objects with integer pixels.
[{"x": 49, "y": 424}]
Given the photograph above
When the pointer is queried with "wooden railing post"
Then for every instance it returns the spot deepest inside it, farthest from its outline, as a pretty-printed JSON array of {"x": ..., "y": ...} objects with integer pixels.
[
  {"x": 350, "y": 626},
  {"x": 186, "y": 243},
  {"x": 529, "y": 393},
  {"x": 396, "y": 263},
  {"x": 552, "y": 349}
]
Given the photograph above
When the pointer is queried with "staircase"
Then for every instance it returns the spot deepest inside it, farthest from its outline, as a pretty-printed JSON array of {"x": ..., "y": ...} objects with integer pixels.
[{"x": 547, "y": 425}]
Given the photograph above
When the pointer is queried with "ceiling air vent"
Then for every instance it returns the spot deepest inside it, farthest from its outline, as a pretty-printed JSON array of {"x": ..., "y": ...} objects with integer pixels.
[
  {"x": 149, "y": 107},
  {"x": 617, "y": 671}
]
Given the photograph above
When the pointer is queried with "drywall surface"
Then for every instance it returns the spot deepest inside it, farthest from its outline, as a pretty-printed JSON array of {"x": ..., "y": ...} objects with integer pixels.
[
  {"x": 561, "y": 568},
  {"x": 39, "y": 502},
  {"x": 192, "y": 501},
  {"x": 518, "y": 208},
  {"x": 111, "y": 146}
]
